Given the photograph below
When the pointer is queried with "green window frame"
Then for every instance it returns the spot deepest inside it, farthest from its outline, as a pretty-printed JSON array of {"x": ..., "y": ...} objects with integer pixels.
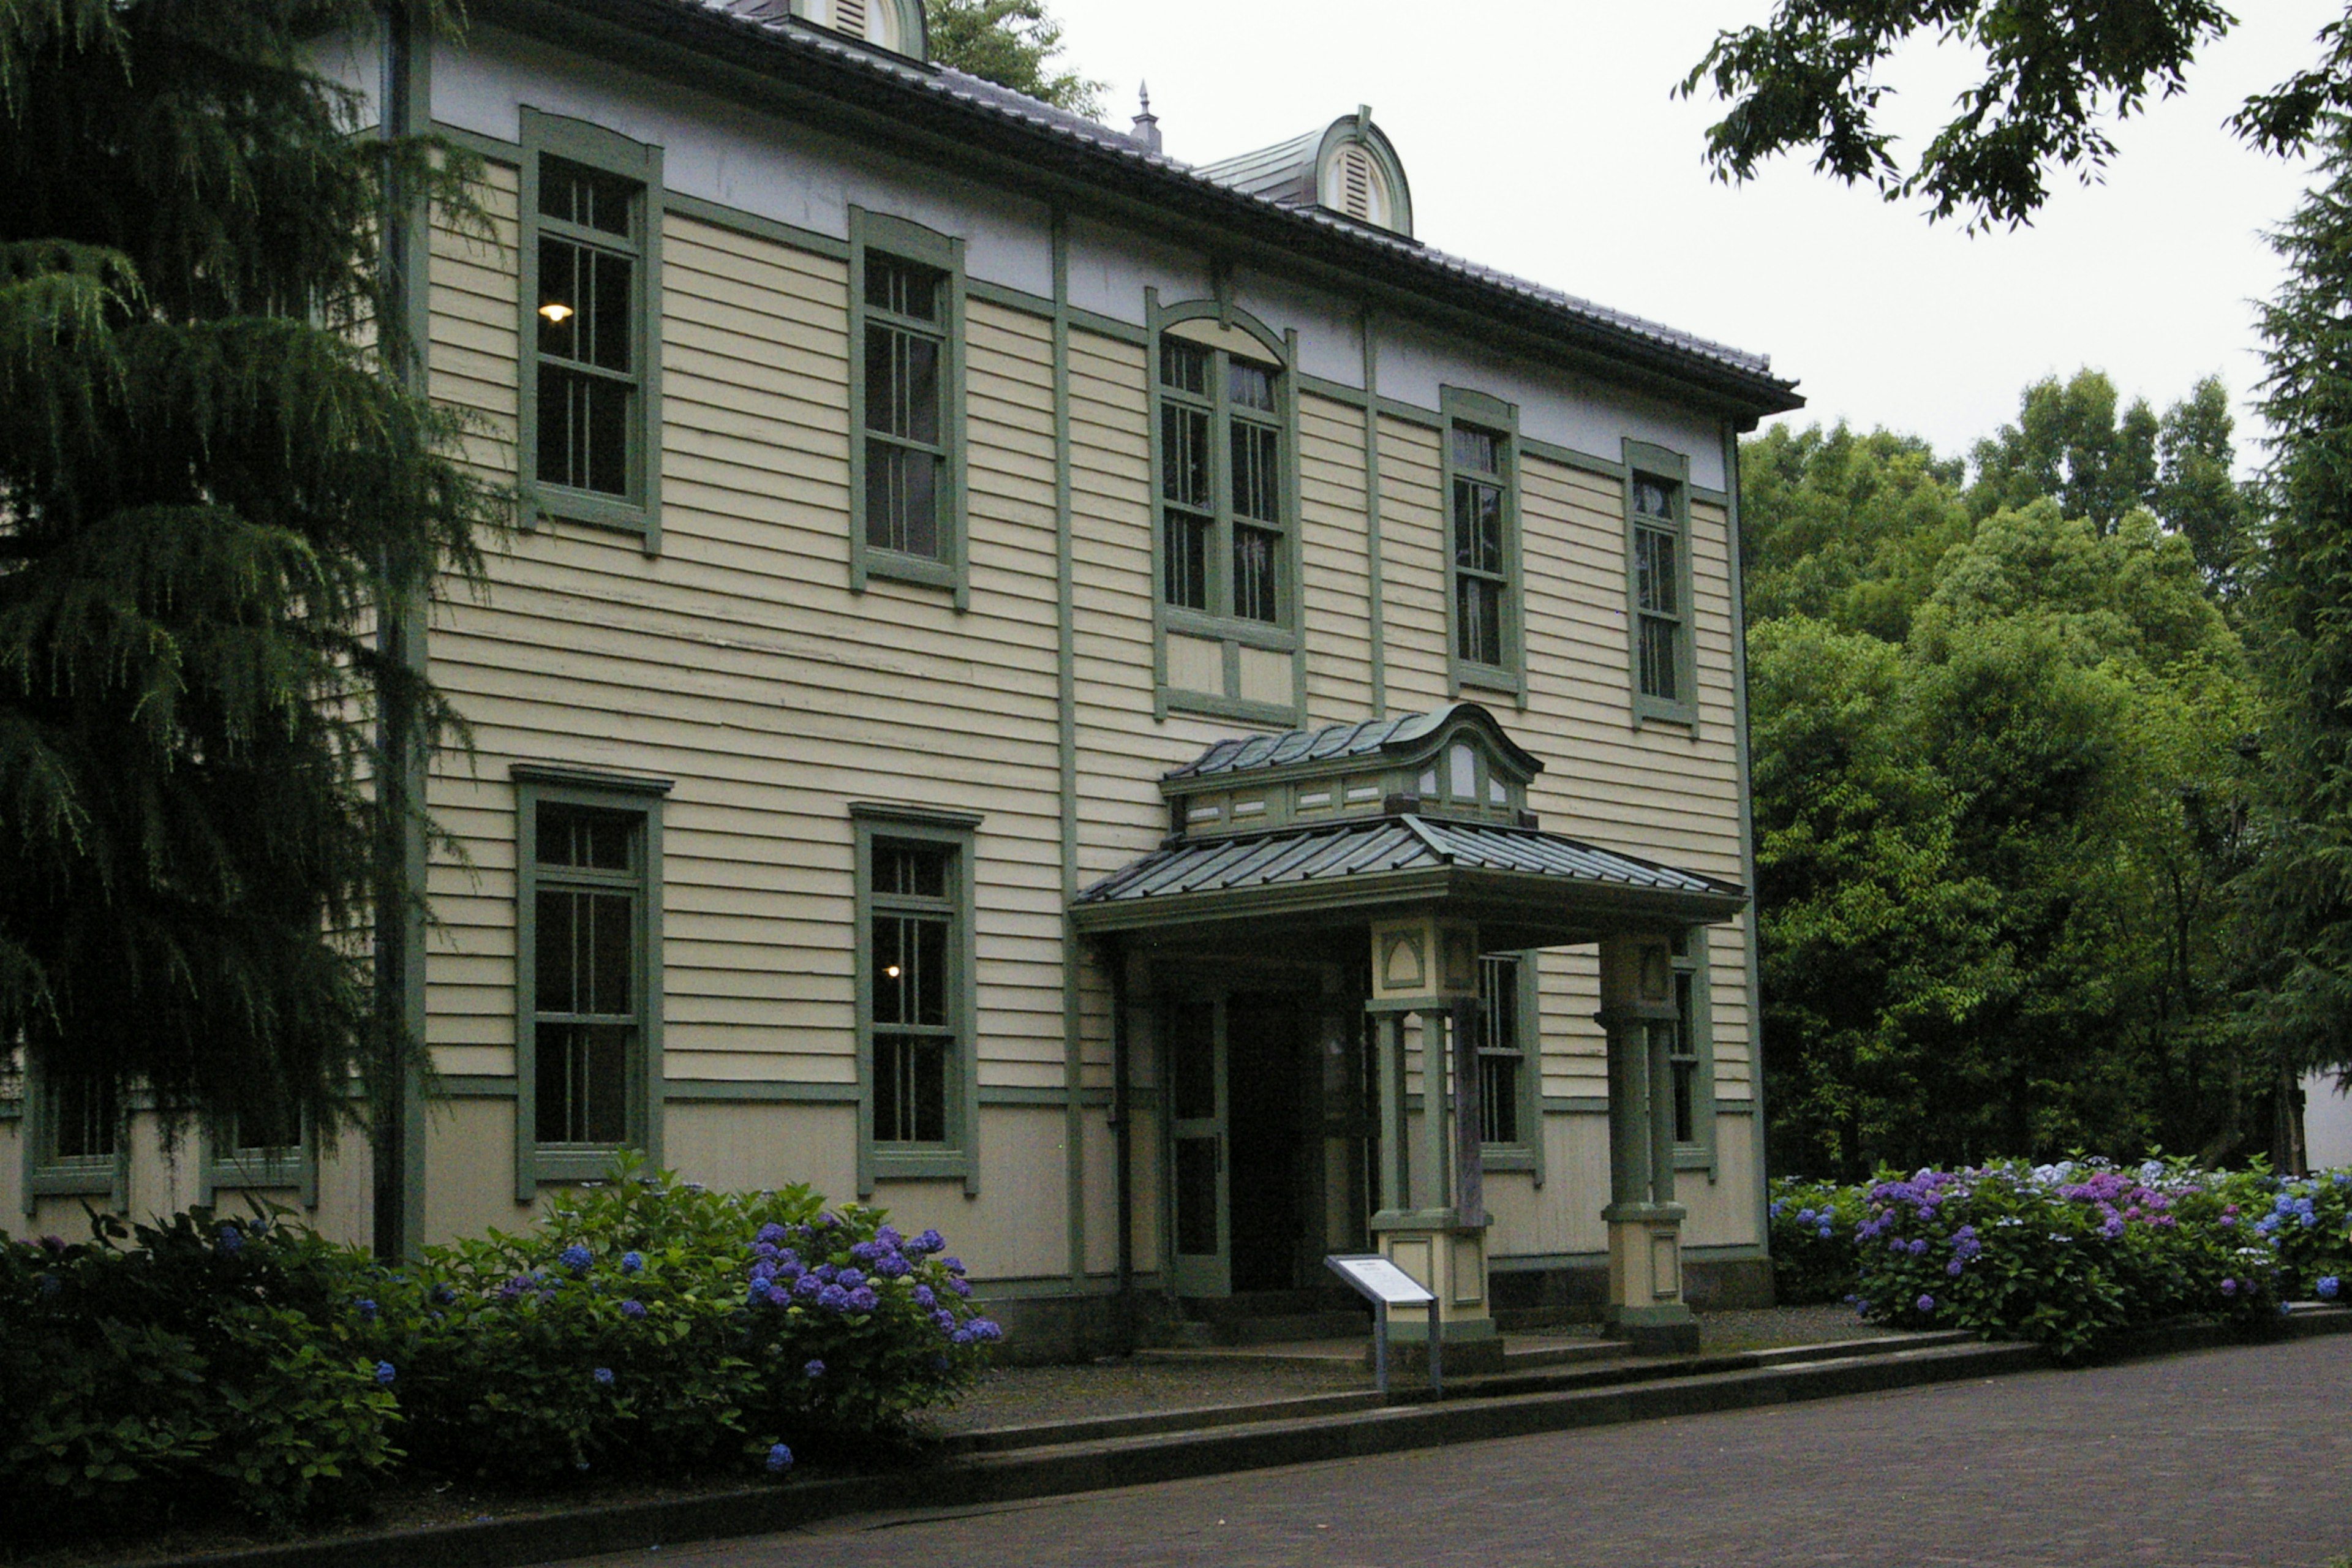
[
  {"x": 1658, "y": 584},
  {"x": 1486, "y": 638},
  {"x": 1225, "y": 558},
  {"x": 1510, "y": 1063},
  {"x": 230, "y": 1162},
  {"x": 588, "y": 387},
  {"x": 1692, "y": 1059},
  {"x": 907, "y": 489},
  {"x": 918, "y": 998},
  {"x": 588, "y": 972},
  {"x": 76, "y": 1142}
]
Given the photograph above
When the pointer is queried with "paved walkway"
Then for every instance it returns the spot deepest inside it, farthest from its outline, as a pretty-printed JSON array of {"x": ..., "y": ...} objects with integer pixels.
[{"x": 2218, "y": 1459}]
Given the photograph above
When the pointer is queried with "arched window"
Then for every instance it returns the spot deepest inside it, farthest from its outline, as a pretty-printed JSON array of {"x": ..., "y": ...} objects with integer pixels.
[{"x": 1224, "y": 514}]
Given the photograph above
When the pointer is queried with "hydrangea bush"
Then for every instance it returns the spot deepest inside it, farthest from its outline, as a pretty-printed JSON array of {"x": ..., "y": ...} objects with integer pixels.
[
  {"x": 2071, "y": 1254},
  {"x": 650, "y": 1329}
]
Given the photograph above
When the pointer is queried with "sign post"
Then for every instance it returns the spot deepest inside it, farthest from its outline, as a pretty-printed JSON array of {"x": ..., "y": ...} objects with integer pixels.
[{"x": 1384, "y": 1285}]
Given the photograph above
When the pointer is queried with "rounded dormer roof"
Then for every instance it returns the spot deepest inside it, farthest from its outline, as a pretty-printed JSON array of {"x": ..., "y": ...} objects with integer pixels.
[{"x": 1348, "y": 168}]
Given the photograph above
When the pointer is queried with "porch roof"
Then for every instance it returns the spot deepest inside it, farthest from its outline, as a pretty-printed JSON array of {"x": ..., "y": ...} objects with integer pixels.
[{"x": 1535, "y": 888}]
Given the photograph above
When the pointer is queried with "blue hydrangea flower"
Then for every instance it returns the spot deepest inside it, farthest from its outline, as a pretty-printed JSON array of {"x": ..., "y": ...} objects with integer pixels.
[
  {"x": 850, "y": 1279},
  {"x": 985, "y": 1330},
  {"x": 960, "y": 1286},
  {"x": 763, "y": 1271},
  {"x": 1777, "y": 1204},
  {"x": 1918, "y": 1247},
  {"x": 445, "y": 1295},
  {"x": 631, "y": 1261},
  {"x": 944, "y": 1321},
  {"x": 2327, "y": 1288},
  {"x": 633, "y": 1308},
  {"x": 928, "y": 1242},
  {"x": 807, "y": 1285},
  {"x": 603, "y": 1374},
  {"x": 779, "y": 1297},
  {"x": 865, "y": 1252},
  {"x": 953, "y": 1265},
  {"x": 1954, "y": 1267},
  {"x": 833, "y": 1298},
  {"x": 1826, "y": 1233},
  {"x": 894, "y": 1267},
  {"x": 232, "y": 1240},
  {"x": 1926, "y": 1303},
  {"x": 924, "y": 1298},
  {"x": 780, "y": 1459},
  {"x": 366, "y": 1309},
  {"x": 888, "y": 1237},
  {"x": 384, "y": 1373},
  {"x": 764, "y": 1250},
  {"x": 772, "y": 1232},
  {"x": 960, "y": 1337},
  {"x": 862, "y": 1299},
  {"x": 2229, "y": 1287},
  {"x": 575, "y": 1258},
  {"x": 1807, "y": 1216},
  {"x": 815, "y": 1369}
]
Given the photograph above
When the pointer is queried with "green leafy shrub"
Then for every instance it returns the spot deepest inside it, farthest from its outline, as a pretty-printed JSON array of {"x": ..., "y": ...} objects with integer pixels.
[
  {"x": 654, "y": 1328},
  {"x": 207, "y": 1364},
  {"x": 1813, "y": 1225}
]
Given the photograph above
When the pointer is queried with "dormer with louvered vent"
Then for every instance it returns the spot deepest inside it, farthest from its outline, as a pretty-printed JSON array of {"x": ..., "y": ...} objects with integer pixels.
[
  {"x": 1347, "y": 167},
  {"x": 893, "y": 24}
]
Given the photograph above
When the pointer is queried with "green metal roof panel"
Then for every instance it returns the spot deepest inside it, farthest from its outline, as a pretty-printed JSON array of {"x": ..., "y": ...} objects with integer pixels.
[
  {"x": 1391, "y": 844},
  {"x": 1367, "y": 738}
]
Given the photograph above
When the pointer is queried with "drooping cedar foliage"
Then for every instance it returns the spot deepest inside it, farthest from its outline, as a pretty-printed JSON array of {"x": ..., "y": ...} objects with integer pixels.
[{"x": 211, "y": 481}]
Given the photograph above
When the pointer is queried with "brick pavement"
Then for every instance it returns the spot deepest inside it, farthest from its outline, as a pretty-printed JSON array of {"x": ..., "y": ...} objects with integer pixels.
[{"x": 2218, "y": 1459}]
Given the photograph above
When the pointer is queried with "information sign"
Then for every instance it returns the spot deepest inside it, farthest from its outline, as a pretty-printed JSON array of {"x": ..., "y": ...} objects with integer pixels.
[{"x": 1384, "y": 1285}]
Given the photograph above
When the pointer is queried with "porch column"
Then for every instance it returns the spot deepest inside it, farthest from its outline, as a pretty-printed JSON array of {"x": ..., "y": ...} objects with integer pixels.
[
  {"x": 1432, "y": 1222},
  {"x": 1637, "y": 1013}
]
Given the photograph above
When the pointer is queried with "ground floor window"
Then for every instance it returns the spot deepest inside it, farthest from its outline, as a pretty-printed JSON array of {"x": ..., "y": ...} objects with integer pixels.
[{"x": 915, "y": 992}]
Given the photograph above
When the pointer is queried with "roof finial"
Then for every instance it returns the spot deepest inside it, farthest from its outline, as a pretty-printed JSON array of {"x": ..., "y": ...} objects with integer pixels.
[{"x": 1146, "y": 124}]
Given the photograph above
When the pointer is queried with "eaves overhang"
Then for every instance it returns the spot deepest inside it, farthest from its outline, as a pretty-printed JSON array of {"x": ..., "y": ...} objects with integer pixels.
[{"x": 940, "y": 117}]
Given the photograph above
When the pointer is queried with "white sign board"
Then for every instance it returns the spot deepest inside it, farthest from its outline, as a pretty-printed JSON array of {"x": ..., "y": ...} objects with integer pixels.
[{"x": 1380, "y": 1281}]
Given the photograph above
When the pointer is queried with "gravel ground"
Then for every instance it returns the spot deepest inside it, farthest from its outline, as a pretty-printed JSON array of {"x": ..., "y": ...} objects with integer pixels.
[{"x": 1025, "y": 1395}]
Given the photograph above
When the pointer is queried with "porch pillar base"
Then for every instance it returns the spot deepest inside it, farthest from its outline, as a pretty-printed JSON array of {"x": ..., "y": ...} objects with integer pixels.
[
  {"x": 1448, "y": 1257},
  {"x": 1647, "y": 1308}
]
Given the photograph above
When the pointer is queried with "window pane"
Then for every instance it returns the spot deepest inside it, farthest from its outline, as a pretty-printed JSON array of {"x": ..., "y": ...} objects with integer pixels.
[
  {"x": 902, "y": 501},
  {"x": 1479, "y": 620},
  {"x": 1498, "y": 996},
  {"x": 1186, "y": 584},
  {"x": 910, "y": 1090},
  {"x": 1477, "y": 527},
  {"x": 82, "y": 1119},
  {"x": 611, "y": 943},
  {"x": 915, "y": 870},
  {"x": 910, "y": 970},
  {"x": 1192, "y": 1062},
  {"x": 1196, "y": 1196},
  {"x": 1477, "y": 450},
  {"x": 1661, "y": 670},
  {"x": 557, "y": 950},
  {"x": 574, "y": 193},
  {"x": 582, "y": 1082},
  {"x": 583, "y": 430},
  {"x": 1257, "y": 472},
  {"x": 1249, "y": 385},
  {"x": 903, "y": 288},
  {"x": 1657, "y": 579},
  {"x": 268, "y": 1123},
  {"x": 599, "y": 840},
  {"x": 1185, "y": 366},
  {"x": 1256, "y": 595},
  {"x": 1498, "y": 1099},
  {"x": 605, "y": 322},
  {"x": 1653, "y": 498},
  {"x": 1184, "y": 456},
  {"x": 560, "y": 298},
  {"x": 902, "y": 384}
]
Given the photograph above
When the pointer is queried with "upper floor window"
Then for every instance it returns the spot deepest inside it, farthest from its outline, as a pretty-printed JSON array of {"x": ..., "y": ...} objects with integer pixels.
[
  {"x": 906, "y": 374},
  {"x": 1658, "y": 560},
  {"x": 906, "y": 349},
  {"x": 1224, "y": 515},
  {"x": 1482, "y": 542},
  {"x": 590, "y": 430}
]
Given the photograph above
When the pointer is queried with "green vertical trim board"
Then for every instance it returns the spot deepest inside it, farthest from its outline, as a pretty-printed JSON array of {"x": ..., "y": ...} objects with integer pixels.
[
  {"x": 1375, "y": 578},
  {"x": 1066, "y": 746}
]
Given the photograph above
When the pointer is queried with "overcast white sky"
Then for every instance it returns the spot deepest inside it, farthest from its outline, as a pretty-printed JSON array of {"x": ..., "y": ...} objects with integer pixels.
[{"x": 1541, "y": 137}]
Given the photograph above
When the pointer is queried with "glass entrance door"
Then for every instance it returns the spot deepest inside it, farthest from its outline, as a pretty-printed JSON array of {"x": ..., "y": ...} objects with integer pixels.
[{"x": 1198, "y": 1102}]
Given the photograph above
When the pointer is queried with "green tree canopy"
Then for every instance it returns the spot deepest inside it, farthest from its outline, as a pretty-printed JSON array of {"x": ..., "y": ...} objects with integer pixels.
[
  {"x": 1013, "y": 43},
  {"x": 2056, "y": 74},
  {"x": 209, "y": 488}
]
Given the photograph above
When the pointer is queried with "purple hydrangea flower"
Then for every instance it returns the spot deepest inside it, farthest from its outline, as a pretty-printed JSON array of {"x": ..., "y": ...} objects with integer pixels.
[
  {"x": 772, "y": 1232},
  {"x": 232, "y": 1240},
  {"x": 960, "y": 1337},
  {"x": 960, "y": 1286},
  {"x": 384, "y": 1374},
  {"x": 779, "y": 1297},
  {"x": 986, "y": 1330},
  {"x": 1918, "y": 1246},
  {"x": 780, "y": 1459},
  {"x": 575, "y": 1258},
  {"x": 850, "y": 1279},
  {"x": 603, "y": 1374},
  {"x": 825, "y": 1273},
  {"x": 924, "y": 1298},
  {"x": 827, "y": 1220},
  {"x": 865, "y": 1252},
  {"x": 953, "y": 1265},
  {"x": 1926, "y": 1303},
  {"x": 764, "y": 1250},
  {"x": 833, "y": 1298},
  {"x": 944, "y": 1321},
  {"x": 807, "y": 1285},
  {"x": 815, "y": 1369},
  {"x": 631, "y": 1261},
  {"x": 2229, "y": 1287},
  {"x": 633, "y": 1308},
  {"x": 928, "y": 1242},
  {"x": 893, "y": 1266},
  {"x": 446, "y": 1295},
  {"x": 1826, "y": 1233},
  {"x": 366, "y": 1309},
  {"x": 1954, "y": 1267},
  {"x": 862, "y": 1299},
  {"x": 2327, "y": 1287},
  {"x": 763, "y": 1271},
  {"x": 888, "y": 1237},
  {"x": 787, "y": 1258}
]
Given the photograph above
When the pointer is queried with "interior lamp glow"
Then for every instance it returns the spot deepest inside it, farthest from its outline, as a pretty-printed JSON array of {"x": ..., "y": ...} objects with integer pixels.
[{"x": 557, "y": 313}]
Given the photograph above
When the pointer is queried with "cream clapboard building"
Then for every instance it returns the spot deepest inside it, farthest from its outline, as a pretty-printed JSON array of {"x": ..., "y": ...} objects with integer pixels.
[{"x": 1130, "y": 711}]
